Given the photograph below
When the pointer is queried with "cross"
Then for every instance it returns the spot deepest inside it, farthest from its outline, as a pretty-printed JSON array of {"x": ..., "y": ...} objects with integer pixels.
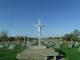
[{"x": 39, "y": 27}]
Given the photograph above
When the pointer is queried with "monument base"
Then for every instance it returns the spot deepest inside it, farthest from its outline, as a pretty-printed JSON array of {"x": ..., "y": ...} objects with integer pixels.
[
  {"x": 37, "y": 53},
  {"x": 37, "y": 47}
]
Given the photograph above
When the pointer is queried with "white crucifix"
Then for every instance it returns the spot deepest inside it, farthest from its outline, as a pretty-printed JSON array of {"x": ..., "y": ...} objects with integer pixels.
[{"x": 39, "y": 27}]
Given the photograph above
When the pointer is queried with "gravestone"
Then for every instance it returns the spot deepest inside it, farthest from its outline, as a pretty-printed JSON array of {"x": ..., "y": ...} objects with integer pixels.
[
  {"x": 1, "y": 44},
  {"x": 76, "y": 44},
  {"x": 70, "y": 45},
  {"x": 11, "y": 46},
  {"x": 79, "y": 48},
  {"x": 6, "y": 44},
  {"x": 56, "y": 45},
  {"x": 23, "y": 44}
]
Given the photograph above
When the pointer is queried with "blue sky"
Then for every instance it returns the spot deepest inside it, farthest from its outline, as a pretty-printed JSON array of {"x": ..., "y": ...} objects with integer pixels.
[{"x": 59, "y": 16}]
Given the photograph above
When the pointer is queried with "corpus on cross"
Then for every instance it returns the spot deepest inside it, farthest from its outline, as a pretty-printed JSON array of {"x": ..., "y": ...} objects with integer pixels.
[{"x": 39, "y": 27}]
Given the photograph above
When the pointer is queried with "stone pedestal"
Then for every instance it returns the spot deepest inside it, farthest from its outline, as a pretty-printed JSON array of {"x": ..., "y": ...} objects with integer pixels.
[
  {"x": 37, "y": 47},
  {"x": 54, "y": 57},
  {"x": 36, "y": 53}
]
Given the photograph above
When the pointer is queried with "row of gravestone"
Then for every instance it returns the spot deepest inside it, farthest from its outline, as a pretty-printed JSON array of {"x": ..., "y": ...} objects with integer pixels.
[
  {"x": 70, "y": 44},
  {"x": 11, "y": 45},
  {"x": 73, "y": 44},
  {"x": 54, "y": 45}
]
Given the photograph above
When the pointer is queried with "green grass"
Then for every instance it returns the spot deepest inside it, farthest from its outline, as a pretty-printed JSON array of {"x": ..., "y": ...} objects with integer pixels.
[
  {"x": 71, "y": 53},
  {"x": 10, "y": 54}
]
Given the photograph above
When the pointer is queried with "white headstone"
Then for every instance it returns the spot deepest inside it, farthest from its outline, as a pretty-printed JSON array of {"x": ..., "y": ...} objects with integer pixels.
[
  {"x": 22, "y": 43},
  {"x": 70, "y": 45},
  {"x": 76, "y": 44},
  {"x": 1, "y": 46},
  {"x": 79, "y": 48},
  {"x": 11, "y": 46}
]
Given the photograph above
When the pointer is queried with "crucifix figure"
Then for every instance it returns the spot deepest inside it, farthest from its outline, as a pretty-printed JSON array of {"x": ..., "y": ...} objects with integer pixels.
[{"x": 39, "y": 27}]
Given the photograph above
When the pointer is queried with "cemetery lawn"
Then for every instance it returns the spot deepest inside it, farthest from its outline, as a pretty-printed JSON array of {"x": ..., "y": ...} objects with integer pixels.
[
  {"x": 71, "y": 53},
  {"x": 10, "y": 54}
]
